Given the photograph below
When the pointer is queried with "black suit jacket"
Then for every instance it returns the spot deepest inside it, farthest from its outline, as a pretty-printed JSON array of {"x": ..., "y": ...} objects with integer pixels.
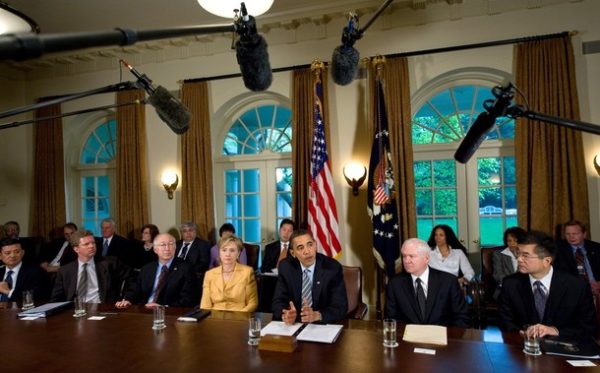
[
  {"x": 30, "y": 277},
  {"x": 565, "y": 259},
  {"x": 119, "y": 247},
  {"x": 198, "y": 256},
  {"x": 272, "y": 252},
  {"x": 445, "y": 304},
  {"x": 51, "y": 249},
  {"x": 328, "y": 289},
  {"x": 569, "y": 307},
  {"x": 180, "y": 288},
  {"x": 112, "y": 274}
]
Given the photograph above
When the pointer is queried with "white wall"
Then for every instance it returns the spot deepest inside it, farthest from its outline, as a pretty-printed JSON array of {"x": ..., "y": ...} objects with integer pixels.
[{"x": 348, "y": 105}]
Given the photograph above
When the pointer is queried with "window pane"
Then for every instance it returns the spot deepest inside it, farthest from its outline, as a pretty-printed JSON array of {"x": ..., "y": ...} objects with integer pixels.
[
  {"x": 510, "y": 200},
  {"x": 232, "y": 181},
  {"x": 424, "y": 227},
  {"x": 251, "y": 181},
  {"x": 252, "y": 230},
  {"x": 491, "y": 230},
  {"x": 489, "y": 171},
  {"x": 509, "y": 170},
  {"x": 490, "y": 201},
  {"x": 233, "y": 205},
  {"x": 444, "y": 173},
  {"x": 284, "y": 205},
  {"x": 445, "y": 202},
  {"x": 422, "y": 170},
  {"x": 424, "y": 202},
  {"x": 251, "y": 205},
  {"x": 237, "y": 224}
]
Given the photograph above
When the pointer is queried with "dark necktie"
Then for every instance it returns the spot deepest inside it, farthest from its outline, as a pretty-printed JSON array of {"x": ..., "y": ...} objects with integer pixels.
[
  {"x": 421, "y": 300},
  {"x": 105, "y": 247},
  {"x": 83, "y": 280},
  {"x": 306, "y": 288},
  {"x": 164, "y": 271},
  {"x": 184, "y": 250},
  {"x": 9, "y": 282},
  {"x": 539, "y": 297},
  {"x": 580, "y": 259}
]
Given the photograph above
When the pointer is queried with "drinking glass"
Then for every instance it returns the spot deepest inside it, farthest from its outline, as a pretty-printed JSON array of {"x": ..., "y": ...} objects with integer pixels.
[
  {"x": 79, "y": 306},
  {"x": 28, "y": 300},
  {"x": 389, "y": 333},
  {"x": 159, "y": 318},
  {"x": 253, "y": 331},
  {"x": 531, "y": 343}
]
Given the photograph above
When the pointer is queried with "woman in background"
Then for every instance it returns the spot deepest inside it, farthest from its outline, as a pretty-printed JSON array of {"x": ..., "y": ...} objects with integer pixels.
[
  {"x": 448, "y": 254},
  {"x": 505, "y": 261},
  {"x": 145, "y": 253},
  {"x": 231, "y": 286}
]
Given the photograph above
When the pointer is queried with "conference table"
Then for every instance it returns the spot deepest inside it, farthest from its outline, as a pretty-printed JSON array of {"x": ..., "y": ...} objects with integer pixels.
[{"x": 125, "y": 341}]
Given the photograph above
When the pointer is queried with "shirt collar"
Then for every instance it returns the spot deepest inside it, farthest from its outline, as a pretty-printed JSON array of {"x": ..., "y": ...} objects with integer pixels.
[
  {"x": 546, "y": 280},
  {"x": 424, "y": 277},
  {"x": 15, "y": 269},
  {"x": 311, "y": 268}
]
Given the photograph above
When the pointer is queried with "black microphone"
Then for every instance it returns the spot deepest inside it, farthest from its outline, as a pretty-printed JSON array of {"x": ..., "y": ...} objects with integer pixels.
[
  {"x": 344, "y": 61},
  {"x": 169, "y": 109},
  {"x": 252, "y": 54},
  {"x": 485, "y": 122}
]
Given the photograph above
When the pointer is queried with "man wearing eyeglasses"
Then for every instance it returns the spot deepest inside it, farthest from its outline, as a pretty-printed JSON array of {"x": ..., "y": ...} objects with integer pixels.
[
  {"x": 552, "y": 302},
  {"x": 169, "y": 282}
]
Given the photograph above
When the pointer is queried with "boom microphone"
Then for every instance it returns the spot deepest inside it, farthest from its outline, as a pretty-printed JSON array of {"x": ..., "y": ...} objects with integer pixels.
[
  {"x": 344, "y": 61},
  {"x": 252, "y": 54},
  {"x": 485, "y": 122},
  {"x": 168, "y": 108}
]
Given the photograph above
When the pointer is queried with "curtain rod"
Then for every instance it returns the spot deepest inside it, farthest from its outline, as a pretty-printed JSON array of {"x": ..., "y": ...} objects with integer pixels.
[{"x": 413, "y": 53}]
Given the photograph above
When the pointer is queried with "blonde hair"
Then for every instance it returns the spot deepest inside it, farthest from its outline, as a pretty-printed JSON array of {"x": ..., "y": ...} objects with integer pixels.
[{"x": 238, "y": 243}]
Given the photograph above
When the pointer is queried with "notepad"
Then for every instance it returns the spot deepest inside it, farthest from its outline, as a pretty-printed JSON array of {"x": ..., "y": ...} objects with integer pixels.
[
  {"x": 427, "y": 334},
  {"x": 280, "y": 328},
  {"x": 320, "y": 333}
]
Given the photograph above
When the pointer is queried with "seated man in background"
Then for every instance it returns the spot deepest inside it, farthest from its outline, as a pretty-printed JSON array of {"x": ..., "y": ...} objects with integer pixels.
[
  {"x": 12, "y": 229},
  {"x": 554, "y": 303},
  {"x": 310, "y": 286},
  {"x": 169, "y": 281},
  {"x": 276, "y": 251},
  {"x": 111, "y": 244},
  {"x": 578, "y": 255},
  {"x": 59, "y": 252},
  {"x": 424, "y": 295},
  {"x": 99, "y": 280},
  {"x": 16, "y": 276}
]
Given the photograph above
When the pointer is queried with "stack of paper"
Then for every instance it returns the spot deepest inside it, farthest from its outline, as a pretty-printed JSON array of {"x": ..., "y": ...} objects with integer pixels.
[
  {"x": 280, "y": 328},
  {"x": 427, "y": 334},
  {"x": 320, "y": 333}
]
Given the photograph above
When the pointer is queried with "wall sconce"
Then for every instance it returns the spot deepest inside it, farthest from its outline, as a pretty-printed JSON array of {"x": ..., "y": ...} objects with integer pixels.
[
  {"x": 169, "y": 180},
  {"x": 597, "y": 164},
  {"x": 355, "y": 175}
]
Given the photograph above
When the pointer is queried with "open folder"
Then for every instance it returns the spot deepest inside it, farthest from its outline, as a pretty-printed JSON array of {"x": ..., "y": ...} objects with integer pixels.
[
  {"x": 46, "y": 309},
  {"x": 427, "y": 334},
  {"x": 320, "y": 333}
]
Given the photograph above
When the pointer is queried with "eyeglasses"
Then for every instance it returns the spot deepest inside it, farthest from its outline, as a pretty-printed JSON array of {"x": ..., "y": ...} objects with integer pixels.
[
  {"x": 163, "y": 245},
  {"x": 527, "y": 256}
]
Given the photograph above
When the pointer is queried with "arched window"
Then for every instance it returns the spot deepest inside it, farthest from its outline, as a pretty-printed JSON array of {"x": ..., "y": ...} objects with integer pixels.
[
  {"x": 253, "y": 171},
  {"x": 478, "y": 199}
]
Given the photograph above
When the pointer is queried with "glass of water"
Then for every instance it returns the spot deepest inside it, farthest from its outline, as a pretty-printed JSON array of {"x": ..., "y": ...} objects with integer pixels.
[
  {"x": 79, "y": 307},
  {"x": 532, "y": 341},
  {"x": 254, "y": 327},
  {"x": 389, "y": 333},
  {"x": 28, "y": 300},
  {"x": 158, "y": 322}
]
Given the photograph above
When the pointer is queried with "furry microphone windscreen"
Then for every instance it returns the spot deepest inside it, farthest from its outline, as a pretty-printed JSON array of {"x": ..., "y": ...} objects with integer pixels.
[
  {"x": 170, "y": 110},
  {"x": 253, "y": 58},
  {"x": 344, "y": 64}
]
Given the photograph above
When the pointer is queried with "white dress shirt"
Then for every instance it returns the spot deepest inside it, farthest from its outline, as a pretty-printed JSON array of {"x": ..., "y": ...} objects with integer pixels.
[{"x": 455, "y": 261}]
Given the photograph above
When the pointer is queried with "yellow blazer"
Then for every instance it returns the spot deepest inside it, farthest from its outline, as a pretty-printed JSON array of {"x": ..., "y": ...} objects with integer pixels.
[{"x": 237, "y": 294}]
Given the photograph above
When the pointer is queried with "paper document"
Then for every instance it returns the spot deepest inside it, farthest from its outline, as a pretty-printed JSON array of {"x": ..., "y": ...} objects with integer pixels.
[
  {"x": 320, "y": 333},
  {"x": 45, "y": 310},
  {"x": 429, "y": 334},
  {"x": 280, "y": 328}
]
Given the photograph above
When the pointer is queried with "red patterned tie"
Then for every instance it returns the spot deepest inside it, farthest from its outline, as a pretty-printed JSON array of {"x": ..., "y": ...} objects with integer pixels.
[{"x": 161, "y": 283}]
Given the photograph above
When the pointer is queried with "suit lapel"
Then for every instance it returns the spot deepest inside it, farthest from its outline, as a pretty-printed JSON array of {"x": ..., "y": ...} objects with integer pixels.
[
  {"x": 433, "y": 286},
  {"x": 317, "y": 279},
  {"x": 527, "y": 298},
  {"x": 408, "y": 291},
  {"x": 556, "y": 295}
]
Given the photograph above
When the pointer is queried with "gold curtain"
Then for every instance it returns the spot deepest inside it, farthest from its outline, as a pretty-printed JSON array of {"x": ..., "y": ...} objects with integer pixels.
[
  {"x": 302, "y": 130},
  {"x": 48, "y": 210},
  {"x": 551, "y": 178},
  {"x": 132, "y": 181},
  {"x": 197, "y": 203},
  {"x": 394, "y": 74}
]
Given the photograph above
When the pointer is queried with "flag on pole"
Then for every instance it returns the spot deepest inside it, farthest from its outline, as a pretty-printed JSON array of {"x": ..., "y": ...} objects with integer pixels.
[
  {"x": 322, "y": 211},
  {"x": 381, "y": 200}
]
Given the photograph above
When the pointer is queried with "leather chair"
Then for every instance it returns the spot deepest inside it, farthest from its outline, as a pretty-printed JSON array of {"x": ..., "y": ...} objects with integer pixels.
[
  {"x": 488, "y": 286},
  {"x": 353, "y": 281},
  {"x": 252, "y": 254}
]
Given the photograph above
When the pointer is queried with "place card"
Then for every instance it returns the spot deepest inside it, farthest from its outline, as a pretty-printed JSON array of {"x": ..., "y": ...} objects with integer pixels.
[
  {"x": 581, "y": 363},
  {"x": 425, "y": 351},
  {"x": 96, "y": 318}
]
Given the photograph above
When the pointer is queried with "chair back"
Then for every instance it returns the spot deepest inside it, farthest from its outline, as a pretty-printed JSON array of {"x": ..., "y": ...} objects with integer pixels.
[
  {"x": 487, "y": 272},
  {"x": 252, "y": 254},
  {"x": 353, "y": 281}
]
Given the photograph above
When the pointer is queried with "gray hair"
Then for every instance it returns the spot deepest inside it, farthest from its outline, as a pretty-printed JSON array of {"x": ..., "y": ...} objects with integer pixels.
[
  {"x": 188, "y": 225},
  {"x": 110, "y": 221},
  {"x": 421, "y": 246}
]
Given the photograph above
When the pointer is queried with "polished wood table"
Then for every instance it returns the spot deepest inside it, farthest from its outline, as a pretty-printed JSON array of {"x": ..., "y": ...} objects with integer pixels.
[{"x": 125, "y": 341}]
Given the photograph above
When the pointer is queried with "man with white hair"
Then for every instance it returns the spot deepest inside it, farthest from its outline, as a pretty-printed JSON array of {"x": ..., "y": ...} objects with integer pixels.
[{"x": 423, "y": 295}]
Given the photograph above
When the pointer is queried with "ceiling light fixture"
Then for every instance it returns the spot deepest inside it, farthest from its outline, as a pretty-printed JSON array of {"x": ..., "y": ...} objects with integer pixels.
[
  {"x": 13, "y": 22},
  {"x": 225, "y": 8}
]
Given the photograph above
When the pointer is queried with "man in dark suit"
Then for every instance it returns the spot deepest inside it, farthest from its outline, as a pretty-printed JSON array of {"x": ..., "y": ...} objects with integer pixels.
[
  {"x": 423, "y": 295},
  {"x": 30, "y": 245},
  {"x": 310, "y": 282},
  {"x": 59, "y": 252},
  {"x": 169, "y": 282},
  {"x": 554, "y": 303},
  {"x": 276, "y": 251},
  {"x": 111, "y": 244},
  {"x": 99, "y": 280},
  {"x": 579, "y": 256},
  {"x": 194, "y": 251},
  {"x": 16, "y": 276}
]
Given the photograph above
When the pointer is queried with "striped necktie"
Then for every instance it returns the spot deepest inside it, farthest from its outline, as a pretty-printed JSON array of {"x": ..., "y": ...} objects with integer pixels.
[
  {"x": 306, "y": 288},
  {"x": 83, "y": 280},
  {"x": 539, "y": 298}
]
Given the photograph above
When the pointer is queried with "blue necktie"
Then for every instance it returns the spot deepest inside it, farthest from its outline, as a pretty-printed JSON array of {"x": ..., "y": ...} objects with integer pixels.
[
  {"x": 306, "y": 288},
  {"x": 539, "y": 297},
  {"x": 9, "y": 282},
  {"x": 105, "y": 248}
]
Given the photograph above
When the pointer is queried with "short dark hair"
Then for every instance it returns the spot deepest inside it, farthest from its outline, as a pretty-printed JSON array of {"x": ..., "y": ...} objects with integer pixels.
[
  {"x": 572, "y": 223},
  {"x": 298, "y": 233},
  {"x": 517, "y": 232},
  {"x": 77, "y": 235},
  {"x": 544, "y": 243},
  {"x": 9, "y": 242},
  {"x": 227, "y": 227},
  {"x": 287, "y": 221},
  {"x": 153, "y": 231},
  {"x": 12, "y": 222},
  {"x": 71, "y": 225}
]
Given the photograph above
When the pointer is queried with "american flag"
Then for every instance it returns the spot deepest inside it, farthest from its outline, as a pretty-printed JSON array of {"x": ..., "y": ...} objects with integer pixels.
[
  {"x": 381, "y": 201},
  {"x": 322, "y": 212}
]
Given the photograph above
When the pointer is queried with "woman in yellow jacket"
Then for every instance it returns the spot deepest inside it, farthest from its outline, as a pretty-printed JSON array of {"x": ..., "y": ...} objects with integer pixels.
[{"x": 230, "y": 286}]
